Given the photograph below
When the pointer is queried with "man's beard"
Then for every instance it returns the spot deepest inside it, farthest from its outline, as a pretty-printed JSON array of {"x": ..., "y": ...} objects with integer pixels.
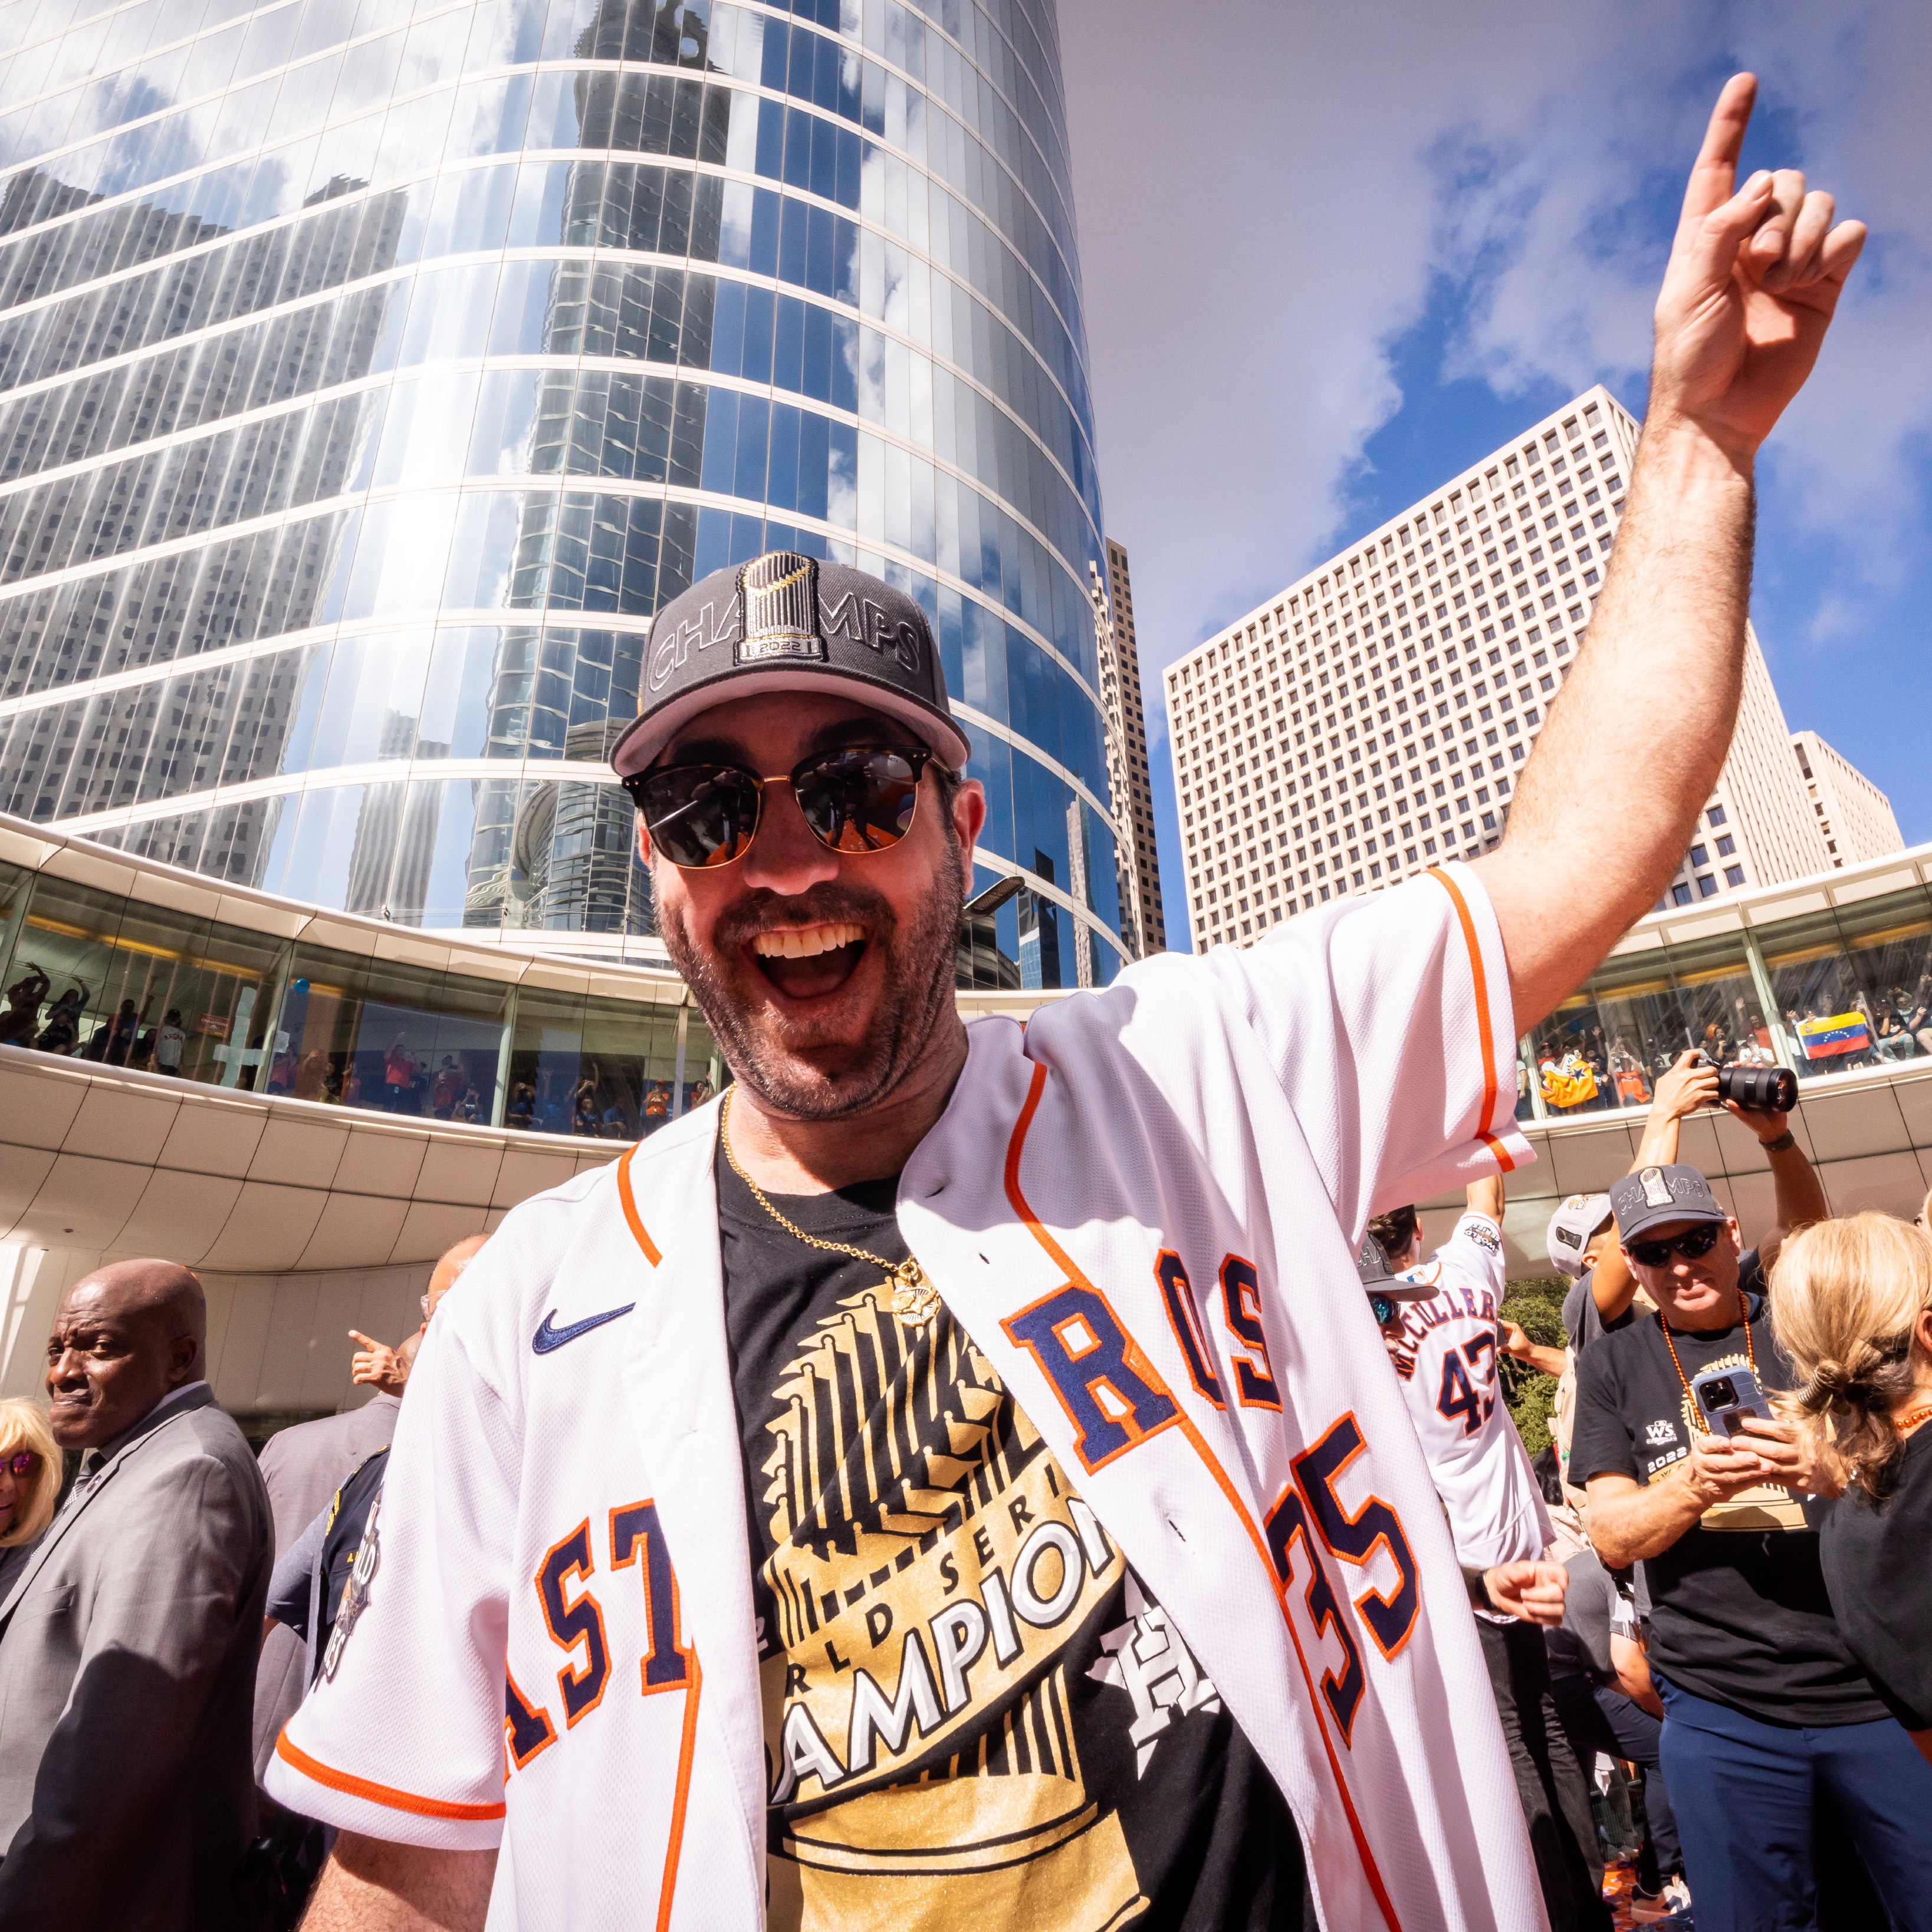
[{"x": 919, "y": 961}]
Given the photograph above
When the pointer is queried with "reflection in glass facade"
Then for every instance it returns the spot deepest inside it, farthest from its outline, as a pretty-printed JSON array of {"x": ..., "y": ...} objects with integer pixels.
[
  {"x": 1827, "y": 991},
  {"x": 371, "y": 369},
  {"x": 97, "y": 976}
]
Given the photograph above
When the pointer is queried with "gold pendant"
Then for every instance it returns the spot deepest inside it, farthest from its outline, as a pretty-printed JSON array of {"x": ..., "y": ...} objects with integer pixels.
[{"x": 914, "y": 1298}]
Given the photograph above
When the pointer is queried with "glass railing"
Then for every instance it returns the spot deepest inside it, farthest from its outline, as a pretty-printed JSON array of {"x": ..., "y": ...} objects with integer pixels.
[
  {"x": 498, "y": 1039},
  {"x": 1828, "y": 991},
  {"x": 125, "y": 982}
]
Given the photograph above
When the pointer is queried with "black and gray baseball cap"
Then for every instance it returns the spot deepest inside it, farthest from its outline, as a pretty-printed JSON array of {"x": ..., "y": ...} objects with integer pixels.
[
  {"x": 1653, "y": 1196},
  {"x": 1377, "y": 1277},
  {"x": 784, "y": 622}
]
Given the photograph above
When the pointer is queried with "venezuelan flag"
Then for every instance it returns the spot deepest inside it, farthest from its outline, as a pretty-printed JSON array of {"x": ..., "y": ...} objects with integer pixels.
[{"x": 1845, "y": 1033}]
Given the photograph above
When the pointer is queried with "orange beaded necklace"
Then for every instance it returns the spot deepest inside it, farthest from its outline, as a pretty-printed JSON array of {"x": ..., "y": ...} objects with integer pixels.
[{"x": 1750, "y": 1354}]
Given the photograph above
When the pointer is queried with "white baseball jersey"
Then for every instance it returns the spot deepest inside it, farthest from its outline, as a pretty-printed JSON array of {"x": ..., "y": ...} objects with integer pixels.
[
  {"x": 1143, "y": 1208},
  {"x": 1447, "y": 1364}
]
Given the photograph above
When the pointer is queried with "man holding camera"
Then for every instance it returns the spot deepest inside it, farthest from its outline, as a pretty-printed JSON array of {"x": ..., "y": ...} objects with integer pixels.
[
  {"x": 1764, "y": 1706},
  {"x": 1582, "y": 1236},
  {"x": 1582, "y": 1231}
]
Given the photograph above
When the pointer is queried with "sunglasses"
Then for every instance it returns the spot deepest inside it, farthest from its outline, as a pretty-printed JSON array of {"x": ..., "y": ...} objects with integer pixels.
[
  {"x": 1382, "y": 1309},
  {"x": 1691, "y": 1244},
  {"x": 859, "y": 800},
  {"x": 21, "y": 1462}
]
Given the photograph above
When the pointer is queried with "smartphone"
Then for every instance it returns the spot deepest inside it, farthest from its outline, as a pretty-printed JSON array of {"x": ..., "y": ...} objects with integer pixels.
[{"x": 1725, "y": 1396}]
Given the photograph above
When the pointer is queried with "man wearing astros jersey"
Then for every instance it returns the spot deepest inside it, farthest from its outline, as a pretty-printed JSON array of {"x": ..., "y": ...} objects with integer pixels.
[
  {"x": 953, "y": 1477},
  {"x": 1442, "y": 1322}
]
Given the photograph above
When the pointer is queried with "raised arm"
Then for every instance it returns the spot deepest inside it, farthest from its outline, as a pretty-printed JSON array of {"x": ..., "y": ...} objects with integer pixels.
[
  {"x": 1485, "y": 1197},
  {"x": 1690, "y": 1085},
  {"x": 1752, "y": 280}
]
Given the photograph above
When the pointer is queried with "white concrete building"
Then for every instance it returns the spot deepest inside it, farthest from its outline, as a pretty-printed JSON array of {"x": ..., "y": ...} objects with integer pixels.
[
  {"x": 1854, "y": 818},
  {"x": 1372, "y": 718}
]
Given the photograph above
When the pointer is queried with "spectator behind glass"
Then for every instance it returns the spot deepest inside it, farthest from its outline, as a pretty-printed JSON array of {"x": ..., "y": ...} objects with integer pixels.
[
  {"x": 169, "y": 1041},
  {"x": 1852, "y": 1309},
  {"x": 1769, "y": 1719},
  {"x": 30, "y": 1481},
  {"x": 62, "y": 1034},
  {"x": 23, "y": 1007}
]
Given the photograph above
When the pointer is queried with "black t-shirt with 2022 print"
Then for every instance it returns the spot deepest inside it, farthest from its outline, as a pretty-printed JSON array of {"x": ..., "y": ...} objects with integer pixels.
[
  {"x": 1738, "y": 1610},
  {"x": 973, "y": 1711}
]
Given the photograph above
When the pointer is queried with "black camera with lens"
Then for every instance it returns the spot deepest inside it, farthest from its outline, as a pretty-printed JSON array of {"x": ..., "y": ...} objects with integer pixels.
[{"x": 1758, "y": 1090}]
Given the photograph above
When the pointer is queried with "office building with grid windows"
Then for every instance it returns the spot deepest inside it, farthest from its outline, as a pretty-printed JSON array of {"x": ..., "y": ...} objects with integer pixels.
[
  {"x": 1854, "y": 818},
  {"x": 1372, "y": 719},
  {"x": 371, "y": 370},
  {"x": 1143, "y": 923}
]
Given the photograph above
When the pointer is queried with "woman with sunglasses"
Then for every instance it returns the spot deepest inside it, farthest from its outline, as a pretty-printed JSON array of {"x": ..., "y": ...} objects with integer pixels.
[
  {"x": 30, "y": 1481},
  {"x": 1766, "y": 1708}
]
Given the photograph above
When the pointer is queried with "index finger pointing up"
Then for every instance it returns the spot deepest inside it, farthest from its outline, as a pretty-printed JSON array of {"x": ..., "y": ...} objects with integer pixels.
[
  {"x": 356, "y": 1335},
  {"x": 1714, "y": 174}
]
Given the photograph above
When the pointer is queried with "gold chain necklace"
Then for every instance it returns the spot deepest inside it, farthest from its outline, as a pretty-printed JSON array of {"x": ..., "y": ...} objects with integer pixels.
[{"x": 914, "y": 1298}]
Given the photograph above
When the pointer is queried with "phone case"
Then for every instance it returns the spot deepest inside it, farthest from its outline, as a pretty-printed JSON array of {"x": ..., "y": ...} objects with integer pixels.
[{"x": 1747, "y": 1399}]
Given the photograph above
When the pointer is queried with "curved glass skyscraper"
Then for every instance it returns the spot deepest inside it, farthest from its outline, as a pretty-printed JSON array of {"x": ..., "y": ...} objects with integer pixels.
[{"x": 370, "y": 370}]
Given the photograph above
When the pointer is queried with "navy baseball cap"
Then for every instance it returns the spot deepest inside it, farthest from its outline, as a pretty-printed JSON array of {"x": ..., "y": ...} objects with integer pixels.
[
  {"x": 785, "y": 621},
  {"x": 1655, "y": 1195}
]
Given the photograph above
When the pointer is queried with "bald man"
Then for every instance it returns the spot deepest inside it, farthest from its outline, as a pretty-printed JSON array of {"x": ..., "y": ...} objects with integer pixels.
[{"x": 128, "y": 1643}]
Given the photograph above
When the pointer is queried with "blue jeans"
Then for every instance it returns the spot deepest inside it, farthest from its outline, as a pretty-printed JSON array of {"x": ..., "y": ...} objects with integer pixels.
[{"x": 1746, "y": 1795}]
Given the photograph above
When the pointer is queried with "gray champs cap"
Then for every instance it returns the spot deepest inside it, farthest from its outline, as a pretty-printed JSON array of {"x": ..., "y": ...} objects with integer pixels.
[
  {"x": 1371, "y": 1265},
  {"x": 1655, "y": 1195},
  {"x": 788, "y": 623}
]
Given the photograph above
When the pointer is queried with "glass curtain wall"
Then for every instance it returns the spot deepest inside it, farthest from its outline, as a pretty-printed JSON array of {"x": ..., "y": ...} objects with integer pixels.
[
  {"x": 1827, "y": 993},
  {"x": 370, "y": 370},
  {"x": 91, "y": 976}
]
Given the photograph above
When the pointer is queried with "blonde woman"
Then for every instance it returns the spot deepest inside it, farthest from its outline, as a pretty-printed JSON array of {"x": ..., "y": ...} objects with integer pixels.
[
  {"x": 1851, "y": 1307},
  {"x": 30, "y": 1480}
]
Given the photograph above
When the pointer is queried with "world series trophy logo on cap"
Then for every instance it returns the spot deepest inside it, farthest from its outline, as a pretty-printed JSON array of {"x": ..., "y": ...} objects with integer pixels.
[{"x": 781, "y": 593}]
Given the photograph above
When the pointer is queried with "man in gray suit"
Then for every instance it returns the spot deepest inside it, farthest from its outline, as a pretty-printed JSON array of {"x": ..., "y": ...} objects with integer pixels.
[{"x": 127, "y": 1644}]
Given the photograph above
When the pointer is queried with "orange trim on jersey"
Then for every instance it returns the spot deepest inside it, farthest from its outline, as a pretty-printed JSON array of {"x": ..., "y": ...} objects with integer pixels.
[
  {"x": 687, "y": 1753},
  {"x": 1485, "y": 1038},
  {"x": 1060, "y": 1257},
  {"x": 630, "y": 1201},
  {"x": 379, "y": 1794}
]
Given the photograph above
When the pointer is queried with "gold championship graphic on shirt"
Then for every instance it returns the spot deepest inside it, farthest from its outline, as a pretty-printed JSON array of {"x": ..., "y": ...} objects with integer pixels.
[
  {"x": 1768, "y": 1506},
  {"x": 930, "y": 1560}
]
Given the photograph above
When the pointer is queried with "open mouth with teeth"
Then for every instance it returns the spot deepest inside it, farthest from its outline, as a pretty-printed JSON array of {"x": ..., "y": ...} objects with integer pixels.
[{"x": 806, "y": 961}]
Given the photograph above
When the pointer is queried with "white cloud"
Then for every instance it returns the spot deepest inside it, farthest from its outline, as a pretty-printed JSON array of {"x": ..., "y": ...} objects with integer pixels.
[
  {"x": 1266, "y": 192},
  {"x": 1264, "y": 196}
]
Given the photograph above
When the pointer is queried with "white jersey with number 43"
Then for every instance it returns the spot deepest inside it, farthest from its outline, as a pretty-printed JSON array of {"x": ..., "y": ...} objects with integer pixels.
[{"x": 1447, "y": 1364}]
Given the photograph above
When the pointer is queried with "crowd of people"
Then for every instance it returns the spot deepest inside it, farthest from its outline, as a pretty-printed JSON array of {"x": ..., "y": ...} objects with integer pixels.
[
  {"x": 593, "y": 1102},
  {"x": 1725, "y": 1595}
]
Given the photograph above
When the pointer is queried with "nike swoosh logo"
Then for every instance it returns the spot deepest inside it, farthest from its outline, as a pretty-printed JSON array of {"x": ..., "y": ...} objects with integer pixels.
[{"x": 550, "y": 1336}]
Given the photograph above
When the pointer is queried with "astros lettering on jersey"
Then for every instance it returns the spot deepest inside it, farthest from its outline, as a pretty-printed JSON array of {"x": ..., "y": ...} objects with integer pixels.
[
  {"x": 1143, "y": 1209},
  {"x": 1447, "y": 1364}
]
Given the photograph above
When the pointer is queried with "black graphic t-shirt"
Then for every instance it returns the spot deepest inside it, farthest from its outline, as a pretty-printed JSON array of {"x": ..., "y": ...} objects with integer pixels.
[
  {"x": 974, "y": 1710},
  {"x": 1738, "y": 1612}
]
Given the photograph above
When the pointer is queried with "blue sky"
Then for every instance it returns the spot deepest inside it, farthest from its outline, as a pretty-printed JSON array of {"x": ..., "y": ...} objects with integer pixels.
[{"x": 1331, "y": 255}]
